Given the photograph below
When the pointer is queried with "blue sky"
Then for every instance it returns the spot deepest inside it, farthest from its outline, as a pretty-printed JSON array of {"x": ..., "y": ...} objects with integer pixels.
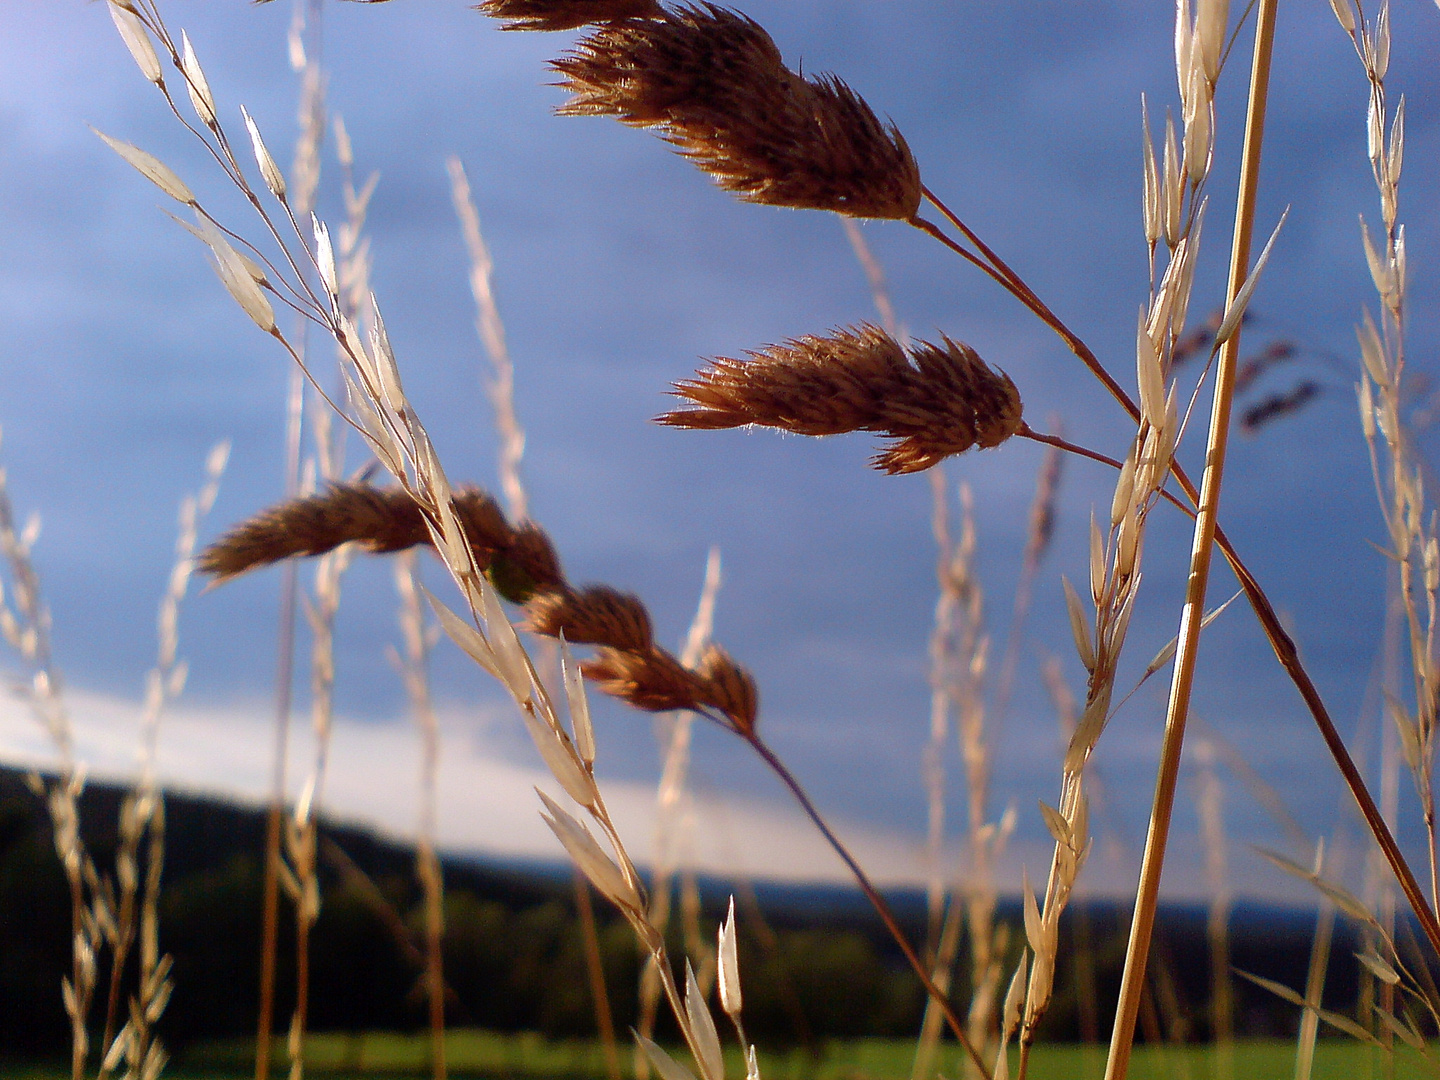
[{"x": 618, "y": 268}]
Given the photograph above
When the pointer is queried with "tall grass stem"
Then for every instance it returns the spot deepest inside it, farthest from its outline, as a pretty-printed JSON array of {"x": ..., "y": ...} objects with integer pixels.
[{"x": 1142, "y": 926}]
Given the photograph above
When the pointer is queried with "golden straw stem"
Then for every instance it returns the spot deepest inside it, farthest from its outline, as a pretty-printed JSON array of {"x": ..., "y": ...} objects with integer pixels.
[{"x": 1133, "y": 982}]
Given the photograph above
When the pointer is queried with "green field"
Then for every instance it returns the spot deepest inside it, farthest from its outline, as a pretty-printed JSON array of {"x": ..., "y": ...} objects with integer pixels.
[{"x": 486, "y": 1054}]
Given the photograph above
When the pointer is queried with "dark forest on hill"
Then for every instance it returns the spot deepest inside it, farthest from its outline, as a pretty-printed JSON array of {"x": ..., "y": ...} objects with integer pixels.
[{"x": 819, "y": 968}]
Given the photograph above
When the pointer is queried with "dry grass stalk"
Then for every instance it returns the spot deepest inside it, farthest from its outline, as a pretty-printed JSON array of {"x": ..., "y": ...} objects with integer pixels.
[
  {"x": 959, "y": 653},
  {"x": 142, "y": 817},
  {"x": 395, "y": 435},
  {"x": 501, "y": 391},
  {"x": 1242, "y": 282},
  {"x": 1067, "y": 712},
  {"x": 674, "y": 812},
  {"x": 1198, "y": 67},
  {"x": 25, "y": 623},
  {"x": 300, "y": 192},
  {"x": 987, "y": 840},
  {"x": 487, "y": 318},
  {"x": 1414, "y": 545},
  {"x": 1172, "y": 212},
  {"x": 957, "y": 658},
  {"x": 413, "y": 665},
  {"x": 348, "y": 283},
  {"x": 712, "y": 82},
  {"x": 106, "y": 911},
  {"x": 936, "y": 401}
]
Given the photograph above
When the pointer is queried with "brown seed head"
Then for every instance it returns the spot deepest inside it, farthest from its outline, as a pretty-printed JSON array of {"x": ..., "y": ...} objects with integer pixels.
[
  {"x": 565, "y": 14},
  {"x": 938, "y": 401},
  {"x": 531, "y": 552},
  {"x": 595, "y": 615},
  {"x": 522, "y": 565},
  {"x": 379, "y": 519},
  {"x": 729, "y": 688},
  {"x": 654, "y": 681},
  {"x": 382, "y": 519},
  {"x": 713, "y": 83}
]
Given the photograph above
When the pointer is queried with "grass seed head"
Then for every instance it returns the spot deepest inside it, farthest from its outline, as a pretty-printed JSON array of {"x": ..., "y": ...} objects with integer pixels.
[
  {"x": 713, "y": 83},
  {"x": 521, "y": 564},
  {"x": 655, "y": 682},
  {"x": 937, "y": 401},
  {"x": 566, "y": 14},
  {"x": 590, "y": 616},
  {"x": 729, "y": 688}
]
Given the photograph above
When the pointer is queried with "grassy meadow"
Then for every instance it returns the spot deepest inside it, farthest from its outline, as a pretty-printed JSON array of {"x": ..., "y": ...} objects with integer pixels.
[{"x": 489, "y": 1055}]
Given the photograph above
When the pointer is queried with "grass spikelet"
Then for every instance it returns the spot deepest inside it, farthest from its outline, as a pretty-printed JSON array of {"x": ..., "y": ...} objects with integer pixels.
[
  {"x": 937, "y": 401},
  {"x": 713, "y": 83},
  {"x": 566, "y": 14},
  {"x": 656, "y": 683},
  {"x": 594, "y": 615},
  {"x": 522, "y": 565}
]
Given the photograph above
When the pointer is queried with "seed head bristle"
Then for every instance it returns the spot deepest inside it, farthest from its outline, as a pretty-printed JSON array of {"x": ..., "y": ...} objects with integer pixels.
[
  {"x": 937, "y": 401},
  {"x": 565, "y": 14},
  {"x": 595, "y": 615},
  {"x": 654, "y": 681},
  {"x": 729, "y": 688},
  {"x": 382, "y": 519},
  {"x": 521, "y": 563},
  {"x": 714, "y": 85}
]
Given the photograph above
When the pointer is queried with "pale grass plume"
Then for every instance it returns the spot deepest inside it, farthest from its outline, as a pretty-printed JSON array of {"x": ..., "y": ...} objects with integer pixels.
[
  {"x": 394, "y": 433},
  {"x": 501, "y": 387},
  {"x": 1413, "y": 545},
  {"x": 1116, "y": 555},
  {"x": 959, "y": 651},
  {"x": 142, "y": 819},
  {"x": 674, "y": 811}
]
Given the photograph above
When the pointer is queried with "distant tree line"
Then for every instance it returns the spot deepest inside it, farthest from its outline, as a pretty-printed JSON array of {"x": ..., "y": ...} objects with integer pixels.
[{"x": 514, "y": 955}]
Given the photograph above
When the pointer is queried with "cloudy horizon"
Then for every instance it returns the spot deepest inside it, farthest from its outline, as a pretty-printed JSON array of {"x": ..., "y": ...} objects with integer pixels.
[{"x": 618, "y": 268}]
